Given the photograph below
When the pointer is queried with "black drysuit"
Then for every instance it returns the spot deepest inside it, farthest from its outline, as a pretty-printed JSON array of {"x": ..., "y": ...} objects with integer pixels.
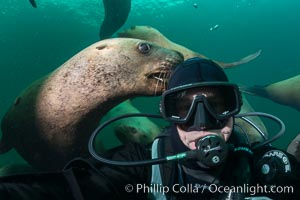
[{"x": 91, "y": 180}]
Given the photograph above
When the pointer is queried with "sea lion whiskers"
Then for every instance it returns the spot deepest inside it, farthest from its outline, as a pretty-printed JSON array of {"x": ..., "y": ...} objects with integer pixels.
[
  {"x": 161, "y": 79},
  {"x": 162, "y": 73},
  {"x": 165, "y": 71}
]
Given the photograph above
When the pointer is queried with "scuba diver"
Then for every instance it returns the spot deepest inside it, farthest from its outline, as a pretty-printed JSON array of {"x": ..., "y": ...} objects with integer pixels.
[{"x": 199, "y": 156}]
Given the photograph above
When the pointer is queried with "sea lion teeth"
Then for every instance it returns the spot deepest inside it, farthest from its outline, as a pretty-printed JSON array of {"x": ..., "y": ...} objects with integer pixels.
[
  {"x": 161, "y": 75},
  {"x": 160, "y": 79}
]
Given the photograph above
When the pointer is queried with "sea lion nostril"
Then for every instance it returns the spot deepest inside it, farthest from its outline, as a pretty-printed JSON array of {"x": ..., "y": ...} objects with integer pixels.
[{"x": 180, "y": 55}]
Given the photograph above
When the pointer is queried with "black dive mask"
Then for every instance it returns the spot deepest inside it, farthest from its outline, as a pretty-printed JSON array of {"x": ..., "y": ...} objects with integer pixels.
[
  {"x": 201, "y": 106},
  {"x": 201, "y": 120}
]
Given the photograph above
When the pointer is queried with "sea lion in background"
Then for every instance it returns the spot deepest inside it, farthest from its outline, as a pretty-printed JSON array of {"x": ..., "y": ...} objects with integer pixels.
[
  {"x": 116, "y": 14},
  {"x": 153, "y": 35},
  {"x": 33, "y": 3},
  {"x": 51, "y": 121},
  {"x": 294, "y": 147},
  {"x": 134, "y": 129},
  {"x": 285, "y": 92},
  {"x": 251, "y": 133}
]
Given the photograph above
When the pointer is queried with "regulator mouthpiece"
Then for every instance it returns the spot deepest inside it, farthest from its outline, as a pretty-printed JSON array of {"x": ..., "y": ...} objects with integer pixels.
[{"x": 211, "y": 150}]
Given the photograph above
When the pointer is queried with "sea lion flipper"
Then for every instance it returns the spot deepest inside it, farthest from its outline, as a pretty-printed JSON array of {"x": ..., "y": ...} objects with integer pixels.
[
  {"x": 116, "y": 14},
  {"x": 33, "y": 3},
  {"x": 241, "y": 61}
]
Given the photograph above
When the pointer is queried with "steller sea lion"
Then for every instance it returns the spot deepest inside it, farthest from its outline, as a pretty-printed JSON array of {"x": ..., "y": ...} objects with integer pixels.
[
  {"x": 133, "y": 129},
  {"x": 51, "y": 121},
  {"x": 153, "y": 35},
  {"x": 285, "y": 92}
]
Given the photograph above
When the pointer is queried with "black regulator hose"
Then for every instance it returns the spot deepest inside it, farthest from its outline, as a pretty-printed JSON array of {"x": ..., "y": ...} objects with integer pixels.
[
  {"x": 276, "y": 119},
  {"x": 193, "y": 154},
  {"x": 131, "y": 163}
]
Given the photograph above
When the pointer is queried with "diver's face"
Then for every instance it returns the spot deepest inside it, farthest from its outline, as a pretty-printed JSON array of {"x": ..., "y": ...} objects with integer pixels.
[{"x": 190, "y": 138}]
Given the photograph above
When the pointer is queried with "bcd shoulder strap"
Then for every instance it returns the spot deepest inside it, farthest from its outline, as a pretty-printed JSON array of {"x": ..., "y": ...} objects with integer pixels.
[{"x": 162, "y": 174}]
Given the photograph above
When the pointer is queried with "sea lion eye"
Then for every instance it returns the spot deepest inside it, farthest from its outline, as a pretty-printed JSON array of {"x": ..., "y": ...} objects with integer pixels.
[{"x": 144, "y": 48}]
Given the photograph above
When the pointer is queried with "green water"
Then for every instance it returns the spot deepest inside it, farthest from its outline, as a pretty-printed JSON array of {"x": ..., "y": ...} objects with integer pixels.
[{"x": 33, "y": 42}]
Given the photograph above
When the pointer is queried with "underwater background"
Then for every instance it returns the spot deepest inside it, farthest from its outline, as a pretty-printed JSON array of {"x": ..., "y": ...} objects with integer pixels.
[{"x": 35, "y": 41}]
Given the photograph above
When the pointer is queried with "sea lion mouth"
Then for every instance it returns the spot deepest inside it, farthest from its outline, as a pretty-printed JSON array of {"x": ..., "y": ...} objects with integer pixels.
[
  {"x": 161, "y": 75},
  {"x": 160, "y": 78}
]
